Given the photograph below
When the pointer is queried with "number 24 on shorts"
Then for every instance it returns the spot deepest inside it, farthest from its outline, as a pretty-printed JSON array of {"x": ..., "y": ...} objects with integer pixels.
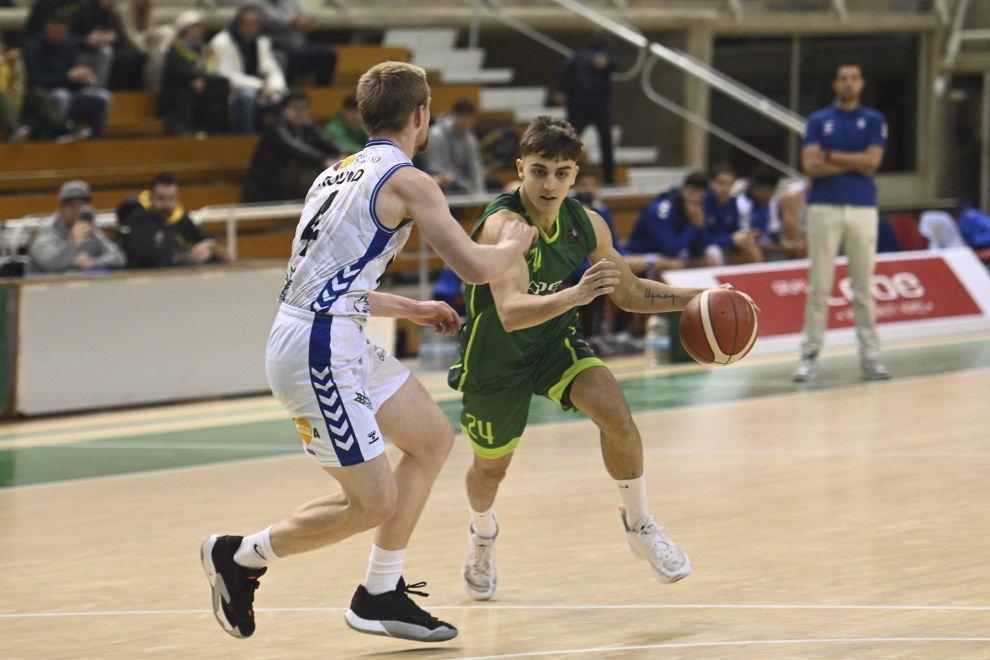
[{"x": 480, "y": 430}]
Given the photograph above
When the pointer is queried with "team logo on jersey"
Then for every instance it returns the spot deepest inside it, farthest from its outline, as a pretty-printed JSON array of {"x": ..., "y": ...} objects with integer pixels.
[
  {"x": 572, "y": 235},
  {"x": 288, "y": 283},
  {"x": 363, "y": 399},
  {"x": 306, "y": 430},
  {"x": 861, "y": 124},
  {"x": 341, "y": 164},
  {"x": 828, "y": 127}
]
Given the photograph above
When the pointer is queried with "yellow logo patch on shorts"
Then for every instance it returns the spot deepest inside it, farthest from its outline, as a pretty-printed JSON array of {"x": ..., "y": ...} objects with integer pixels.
[{"x": 305, "y": 429}]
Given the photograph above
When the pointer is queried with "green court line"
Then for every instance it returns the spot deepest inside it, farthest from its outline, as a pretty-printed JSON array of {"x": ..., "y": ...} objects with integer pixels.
[{"x": 111, "y": 456}]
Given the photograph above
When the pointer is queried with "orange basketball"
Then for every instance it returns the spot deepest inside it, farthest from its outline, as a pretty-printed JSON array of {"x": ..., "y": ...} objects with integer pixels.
[{"x": 719, "y": 327}]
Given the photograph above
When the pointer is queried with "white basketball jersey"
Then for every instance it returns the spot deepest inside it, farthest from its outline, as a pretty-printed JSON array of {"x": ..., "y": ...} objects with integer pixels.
[{"x": 341, "y": 249}]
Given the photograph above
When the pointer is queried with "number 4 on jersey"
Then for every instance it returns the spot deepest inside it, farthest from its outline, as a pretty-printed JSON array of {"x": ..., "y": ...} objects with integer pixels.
[{"x": 312, "y": 230}]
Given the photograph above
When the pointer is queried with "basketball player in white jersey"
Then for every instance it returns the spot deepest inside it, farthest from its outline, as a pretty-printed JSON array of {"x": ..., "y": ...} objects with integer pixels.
[{"x": 345, "y": 394}]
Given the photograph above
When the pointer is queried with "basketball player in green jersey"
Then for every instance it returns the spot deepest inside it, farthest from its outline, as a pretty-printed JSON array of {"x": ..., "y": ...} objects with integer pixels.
[{"x": 523, "y": 337}]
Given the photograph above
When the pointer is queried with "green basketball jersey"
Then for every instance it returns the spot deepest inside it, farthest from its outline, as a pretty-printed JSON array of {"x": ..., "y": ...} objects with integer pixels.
[{"x": 491, "y": 357}]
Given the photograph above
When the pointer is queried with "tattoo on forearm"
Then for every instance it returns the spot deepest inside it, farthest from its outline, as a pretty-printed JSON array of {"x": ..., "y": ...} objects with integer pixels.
[{"x": 654, "y": 297}]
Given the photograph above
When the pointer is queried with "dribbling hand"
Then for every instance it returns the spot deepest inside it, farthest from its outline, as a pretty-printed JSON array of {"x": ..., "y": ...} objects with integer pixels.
[
  {"x": 598, "y": 280},
  {"x": 520, "y": 233},
  {"x": 746, "y": 296}
]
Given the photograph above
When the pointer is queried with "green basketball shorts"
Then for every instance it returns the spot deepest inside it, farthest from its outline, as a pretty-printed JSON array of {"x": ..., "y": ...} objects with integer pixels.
[{"x": 494, "y": 421}]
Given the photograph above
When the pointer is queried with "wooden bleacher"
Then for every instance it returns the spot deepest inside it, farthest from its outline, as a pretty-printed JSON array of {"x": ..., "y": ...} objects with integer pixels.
[{"x": 211, "y": 170}]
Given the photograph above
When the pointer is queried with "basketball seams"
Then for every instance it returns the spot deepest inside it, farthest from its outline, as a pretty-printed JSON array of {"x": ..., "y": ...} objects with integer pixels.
[{"x": 718, "y": 355}]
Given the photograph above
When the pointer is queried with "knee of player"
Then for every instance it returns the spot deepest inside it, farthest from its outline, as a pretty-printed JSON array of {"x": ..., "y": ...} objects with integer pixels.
[
  {"x": 491, "y": 474},
  {"x": 437, "y": 450},
  {"x": 618, "y": 423},
  {"x": 378, "y": 511}
]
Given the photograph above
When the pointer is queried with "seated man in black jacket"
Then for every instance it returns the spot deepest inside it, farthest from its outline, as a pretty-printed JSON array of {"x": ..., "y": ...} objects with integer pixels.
[
  {"x": 158, "y": 233},
  {"x": 290, "y": 155},
  {"x": 50, "y": 61}
]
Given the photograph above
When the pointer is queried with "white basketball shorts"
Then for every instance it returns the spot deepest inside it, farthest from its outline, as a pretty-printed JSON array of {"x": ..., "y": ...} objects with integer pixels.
[{"x": 331, "y": 380}]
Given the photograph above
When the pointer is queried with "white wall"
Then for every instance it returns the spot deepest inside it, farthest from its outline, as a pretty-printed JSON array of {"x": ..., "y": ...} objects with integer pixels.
[{"x": 100, "y": 342}]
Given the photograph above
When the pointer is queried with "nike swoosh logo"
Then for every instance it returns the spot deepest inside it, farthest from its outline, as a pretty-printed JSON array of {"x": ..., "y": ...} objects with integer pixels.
[
  {"x": 623, "y": 486},
  {"x": 258, "y": 552}
]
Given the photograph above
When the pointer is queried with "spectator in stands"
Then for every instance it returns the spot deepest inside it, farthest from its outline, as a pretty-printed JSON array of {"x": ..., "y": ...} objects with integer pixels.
[
  {"x": 191, "y": 90},
  {"x": 843, "y": 149},
  {"x": 453, "y": 158},
  {"x": 670, "y": 232},
  {"x": 158, "y": 233},
  {"x": 93, "y": 42},
  {"x": 974, "y": 225},
  {"x": 244, "y": 57},
  {"x": 290, "y": 155},
  {"x": 12, "y": 88},
  {"x": 346, "y": 127},
  {"x": 788, "y": 211},
  {"x": 585, "y": 87},
  {"x": 753, "y": 205},
  {"x": 127, "y": 59},
  {"x": 70, "y": 240},
  {"x": 286, "y": 23},
  {"x": 50, "y": 60}
]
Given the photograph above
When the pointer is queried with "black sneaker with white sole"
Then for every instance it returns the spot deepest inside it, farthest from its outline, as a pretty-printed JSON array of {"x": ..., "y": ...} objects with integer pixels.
[
  {"x": 233, "y": 585},
  {"x": 394, "y": 614}
]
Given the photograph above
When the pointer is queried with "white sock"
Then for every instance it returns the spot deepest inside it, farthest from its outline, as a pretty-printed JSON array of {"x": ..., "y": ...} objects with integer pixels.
[
  {"x": 633, "y": 494},
  {"x": 484, "y": 523},
  {"x": 384, "y": 570},
  {"x": 256, "y": 550}
]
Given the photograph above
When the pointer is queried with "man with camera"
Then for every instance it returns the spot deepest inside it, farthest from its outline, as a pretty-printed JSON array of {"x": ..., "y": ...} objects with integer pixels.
[{"x": 70, "y": 240}]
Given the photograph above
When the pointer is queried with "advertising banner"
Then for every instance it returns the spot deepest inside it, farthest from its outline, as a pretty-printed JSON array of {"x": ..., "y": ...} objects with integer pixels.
[{"x": 917, "y": 295}]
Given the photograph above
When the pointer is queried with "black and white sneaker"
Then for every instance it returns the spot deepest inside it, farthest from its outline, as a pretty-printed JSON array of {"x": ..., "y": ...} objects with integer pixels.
[
  {"x": 394, "y": 614},
  {"x": 233, "y": 585}
]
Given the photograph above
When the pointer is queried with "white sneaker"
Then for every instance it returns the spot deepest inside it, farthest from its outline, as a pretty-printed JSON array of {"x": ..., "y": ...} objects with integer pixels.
[
  {"x": 649, "y": 542},
  {"x": 807, "y": 370},
  {"x": 480, "y": 574},
  {"x": 872, "y": 369}
]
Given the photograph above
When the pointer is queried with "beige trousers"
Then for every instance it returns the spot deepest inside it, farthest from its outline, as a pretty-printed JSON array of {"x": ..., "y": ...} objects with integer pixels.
[{"x": 854, "y": 228}]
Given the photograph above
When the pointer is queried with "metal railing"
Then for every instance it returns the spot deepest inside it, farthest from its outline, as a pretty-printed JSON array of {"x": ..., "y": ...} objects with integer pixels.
[{"x": 695, "y": 67}]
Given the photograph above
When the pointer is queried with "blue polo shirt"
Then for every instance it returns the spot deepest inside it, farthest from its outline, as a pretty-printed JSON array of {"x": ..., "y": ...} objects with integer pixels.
[
  {"x": 835, "y": 129},
  {"x": 721, "y": 222},
  {"x": 664, "y": 228}
]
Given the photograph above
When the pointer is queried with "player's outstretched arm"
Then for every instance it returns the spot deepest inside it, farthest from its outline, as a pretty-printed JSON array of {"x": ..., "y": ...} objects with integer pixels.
[
  {"x": 632, "y": 293},
  {"x": 411, "y": 193},
  {"x": 440, "y": 315},
  {"x": 517, "y": 308}
]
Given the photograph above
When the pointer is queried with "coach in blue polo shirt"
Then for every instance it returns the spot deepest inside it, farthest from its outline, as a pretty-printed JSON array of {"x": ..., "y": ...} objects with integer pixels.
[{"x": 843, "y": 148}]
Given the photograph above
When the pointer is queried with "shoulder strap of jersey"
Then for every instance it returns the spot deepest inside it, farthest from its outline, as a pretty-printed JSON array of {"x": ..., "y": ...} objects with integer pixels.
[{"x": 507, "y": 201}]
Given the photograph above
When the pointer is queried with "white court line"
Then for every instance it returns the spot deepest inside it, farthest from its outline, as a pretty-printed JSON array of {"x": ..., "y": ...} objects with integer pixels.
[
  {"x": 956, "y": 608},
  {"x": 753, "y": 642}
]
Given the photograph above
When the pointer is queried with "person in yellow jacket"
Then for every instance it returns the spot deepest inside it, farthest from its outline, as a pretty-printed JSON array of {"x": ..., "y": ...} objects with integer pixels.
[{"x": 192, "y": 95}]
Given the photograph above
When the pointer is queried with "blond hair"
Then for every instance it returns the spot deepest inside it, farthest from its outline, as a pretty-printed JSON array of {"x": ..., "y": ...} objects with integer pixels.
[{"x": 388, "y": 93}]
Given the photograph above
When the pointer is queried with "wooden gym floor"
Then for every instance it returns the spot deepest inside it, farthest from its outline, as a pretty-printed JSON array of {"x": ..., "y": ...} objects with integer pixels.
[{"x": 842, "y": 520}]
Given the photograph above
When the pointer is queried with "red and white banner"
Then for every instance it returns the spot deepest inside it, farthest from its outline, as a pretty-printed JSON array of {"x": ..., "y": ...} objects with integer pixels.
[{"x": 917, "y": 294}]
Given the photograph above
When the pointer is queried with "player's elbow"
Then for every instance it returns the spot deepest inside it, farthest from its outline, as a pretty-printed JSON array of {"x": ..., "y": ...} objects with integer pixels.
[
  {"x": 510, "y": 322},
  {"x": 474, "y": 273}
]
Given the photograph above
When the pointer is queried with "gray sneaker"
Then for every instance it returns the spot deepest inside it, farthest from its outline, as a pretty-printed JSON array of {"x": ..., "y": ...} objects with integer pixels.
[
  {"x": 873, "y": 369},
  {"x": 806, "y": 371}
]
